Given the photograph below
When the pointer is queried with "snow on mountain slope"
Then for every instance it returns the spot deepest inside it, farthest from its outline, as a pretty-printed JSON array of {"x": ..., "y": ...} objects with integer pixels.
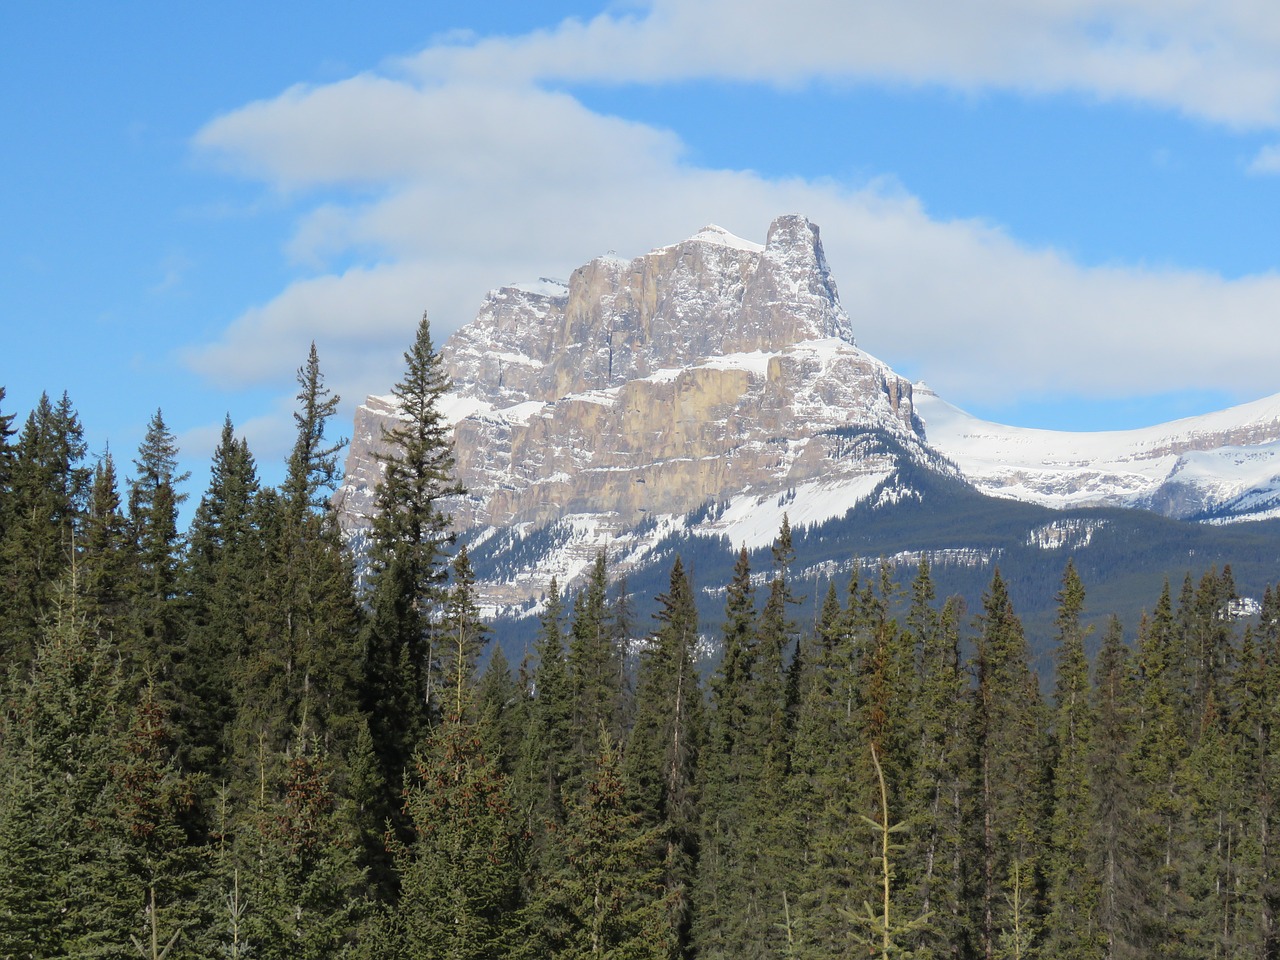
[
  {"x": 713, "y": 373},
  {"x": 1191, "y": 467},
  {"x": 709, "y": 387}
]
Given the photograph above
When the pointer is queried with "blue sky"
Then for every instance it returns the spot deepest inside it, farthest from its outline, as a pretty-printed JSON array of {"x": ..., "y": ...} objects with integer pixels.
[{"x": 1058, "y": 215}]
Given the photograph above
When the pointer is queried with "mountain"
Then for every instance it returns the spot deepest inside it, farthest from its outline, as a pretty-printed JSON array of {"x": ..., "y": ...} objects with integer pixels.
[
  {"x": 686, "y": 400},
  {"x": 713, "y": 371},
  {"x": 1221, "y": 466}
]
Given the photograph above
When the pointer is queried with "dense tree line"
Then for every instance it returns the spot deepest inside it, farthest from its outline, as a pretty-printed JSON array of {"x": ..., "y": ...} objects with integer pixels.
[{"x": 213, "y": 744}]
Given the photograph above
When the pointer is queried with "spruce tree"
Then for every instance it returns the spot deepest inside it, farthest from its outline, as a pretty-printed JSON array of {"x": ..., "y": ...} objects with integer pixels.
[
  {"x": 107, "y": 555},
  {"x": 545, "y": 752},
  {"x": 407, "y": 560},
  {"x": 1163, "y": 911},
  {"x": 595, "y": 669},
  {"x": 607, "y": 898},
  {"x": 1009, "y": 781},
  {"x": 302, "y": 887},
  {"x": 49, "y": 487},
  {"x": 63, "y": 728},
  {"x": 828, "y": 792},
  {"x": 1072, "y": 887},
  {"x": 460, "y": 872},
  {"x": 223, "y": 582},
  {"x": 934, "y": 795},
  {"x": 153, "y": 524},
  {"x": 1111, "y": 857},
  {"x": 666, "y": 741},
  {"x": 730, "y": 768},
  {"x": 318, "y": 617},
  {"x": 7, "y": 458}
]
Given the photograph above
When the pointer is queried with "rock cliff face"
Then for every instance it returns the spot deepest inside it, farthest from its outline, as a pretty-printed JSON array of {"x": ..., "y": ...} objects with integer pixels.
[
  {"x": 708, "y": 387},
  {"x": 656, "y": 386}
]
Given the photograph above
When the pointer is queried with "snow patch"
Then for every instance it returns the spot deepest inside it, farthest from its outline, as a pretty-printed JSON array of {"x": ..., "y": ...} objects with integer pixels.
[
  {"x": 542, "y": 287},
  {"x": 753, "y": 521}
]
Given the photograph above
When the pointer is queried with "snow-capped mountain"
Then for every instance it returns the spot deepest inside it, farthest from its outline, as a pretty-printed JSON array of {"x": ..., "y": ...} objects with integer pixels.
[
  {"x": 1223, "y": 465},
  {"x": 714, "y": 373},
  {"x": 707, "y": 388}
]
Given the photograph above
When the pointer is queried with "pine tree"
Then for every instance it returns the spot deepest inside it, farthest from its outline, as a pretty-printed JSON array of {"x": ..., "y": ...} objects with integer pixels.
[
  {"x": 935, "y": 793},
  {"x": 153, "y": 523},
  {"x": 7, "y": 457},
  {"x": 301, "y": 884},
  {"x": 223, "y": 582},
  {"x": 545, "y": 753},
  {"x": 503, "y": 709},
  {"x": 61, "y": 886},
  {"x": 607, "y": 899},
  {"x": 409, "y": 540},
  {"x": 318, "y": 616},
  {"x": 155, "y": 858},
  {"x": 107, "y": 555},
  {"x": 665, "y": 744},
  {"x": 730, "y": 767},
  {"x": 594, "y": 668},
  {"x": 49, "y": 487},
  {"x": 768, "y": 827},
  {"x": 1009, "y": 782},
  {"x": 1158, "y": 758},
  {"x": 828, "y": 791},
  {"x": 1111, "y": 858},
  {"x": 1072, "y": 887},
  {"x": 460, "y": 874},
  {"x": 313, "y": 463}
]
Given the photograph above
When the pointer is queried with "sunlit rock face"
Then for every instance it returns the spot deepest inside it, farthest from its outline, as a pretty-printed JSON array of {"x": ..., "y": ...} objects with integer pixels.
[{"x": 691, "y": 375}]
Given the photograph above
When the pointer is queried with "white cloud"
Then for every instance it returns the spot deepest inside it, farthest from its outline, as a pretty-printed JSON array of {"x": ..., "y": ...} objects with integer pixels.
[
  {"x": 451, "y": 186},
  {"x": 1215, "y": 59}
]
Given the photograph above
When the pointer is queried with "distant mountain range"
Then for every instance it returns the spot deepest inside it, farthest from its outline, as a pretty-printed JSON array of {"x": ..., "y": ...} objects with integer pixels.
[{"x": 684, "y": 401}]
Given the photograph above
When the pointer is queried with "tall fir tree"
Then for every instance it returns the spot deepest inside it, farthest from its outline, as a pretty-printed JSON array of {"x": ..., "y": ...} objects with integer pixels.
[
  {"x": 607, "y": 898},
  {"x": 408, "y": 560},
  {"x": 154, "y": 500},
  {"x": 729, "y": 769},
  {"x": 1111, "y": 848},
  {"x": 223, "y": 580},
  {"x": 1072, "y": 888},
  {"x": 460, "y": 872},
  {"x": 106, "y": 556},
  {"x": 1158, "y": 757},
  {"x": 594, "y": 668},
  {"x": 318, "y": 617},
  {"x": 666, "y": 741},
  {"x": 49, "y": 487},
  {"x": 1009, "y": 784},
  {"x": 827, "y": 790},
  {"x": 7, "y": 457}
]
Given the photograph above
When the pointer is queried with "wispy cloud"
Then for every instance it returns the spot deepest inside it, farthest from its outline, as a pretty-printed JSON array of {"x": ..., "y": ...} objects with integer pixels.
[
  {"x": 1266, "y": 161},
  {"x": 1215, "y": 60}
]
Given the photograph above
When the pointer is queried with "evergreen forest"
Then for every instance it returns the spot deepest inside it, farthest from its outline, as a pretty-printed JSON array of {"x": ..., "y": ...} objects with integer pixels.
[{"x": 218, "y": 742}]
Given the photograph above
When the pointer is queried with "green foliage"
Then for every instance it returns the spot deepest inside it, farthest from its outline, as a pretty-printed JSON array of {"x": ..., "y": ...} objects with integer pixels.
[
  {"x": 608, "y": 898},
  {"x": 204, "y": 737},
  {"x": 408, "y": 568}
]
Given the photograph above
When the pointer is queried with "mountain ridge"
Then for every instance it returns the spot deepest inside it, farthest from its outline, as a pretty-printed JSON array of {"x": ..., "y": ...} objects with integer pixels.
[{"x": 710, "y": 387}]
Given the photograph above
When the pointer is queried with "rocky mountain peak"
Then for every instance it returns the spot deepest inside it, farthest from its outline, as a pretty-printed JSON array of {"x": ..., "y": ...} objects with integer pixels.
[
  {"x": 657, "y": 385},
  {"x": 617, "y": 320}
]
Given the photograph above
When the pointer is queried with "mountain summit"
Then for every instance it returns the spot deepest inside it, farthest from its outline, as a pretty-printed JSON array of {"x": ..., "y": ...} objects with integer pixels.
[
  {"x": 710, "y": 386},
  {"x": 701, "y": 373}
]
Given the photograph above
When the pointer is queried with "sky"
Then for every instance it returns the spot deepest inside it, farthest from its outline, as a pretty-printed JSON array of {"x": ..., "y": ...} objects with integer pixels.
[{"x": 1061, "y": 214}]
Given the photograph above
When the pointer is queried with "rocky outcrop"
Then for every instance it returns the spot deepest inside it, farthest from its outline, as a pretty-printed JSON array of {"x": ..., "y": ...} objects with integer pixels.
[{"x": 654, "y": 386}]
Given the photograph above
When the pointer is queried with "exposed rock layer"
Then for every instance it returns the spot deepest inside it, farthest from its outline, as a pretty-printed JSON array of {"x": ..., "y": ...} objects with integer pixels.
[{"x": 655, "y": 385}]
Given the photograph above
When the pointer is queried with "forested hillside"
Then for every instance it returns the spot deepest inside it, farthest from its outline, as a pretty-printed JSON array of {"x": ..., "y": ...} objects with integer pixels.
[{"x": 214, "y": 745}]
